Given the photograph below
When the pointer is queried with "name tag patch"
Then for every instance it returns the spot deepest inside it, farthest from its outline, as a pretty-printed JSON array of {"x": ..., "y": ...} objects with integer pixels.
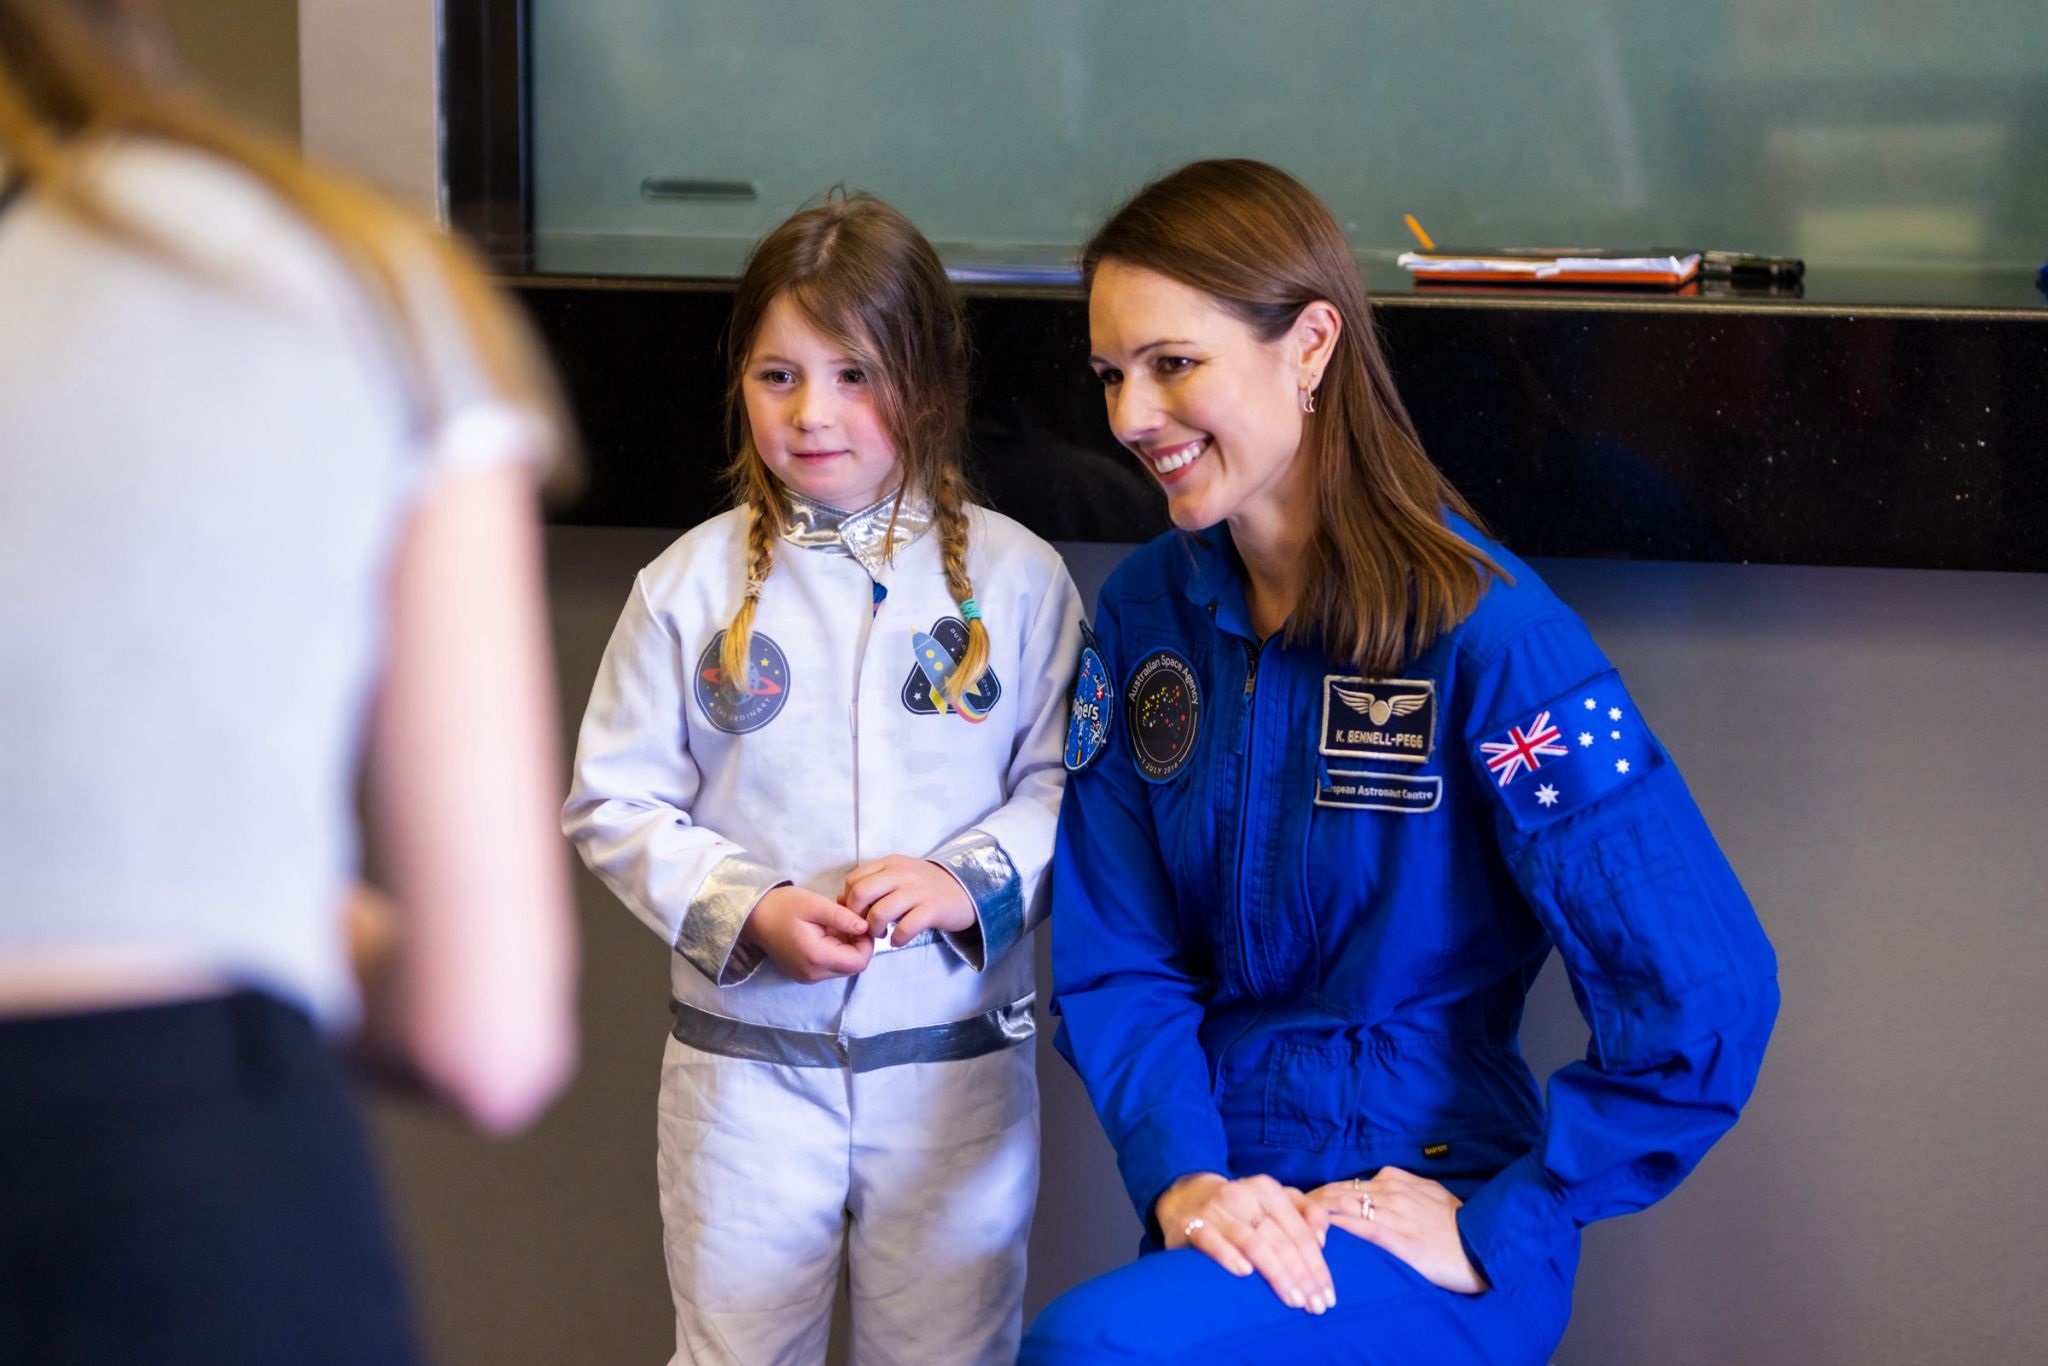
[
  {"x": 1385, "y": 719},
  {"x": 1362, "y": 791}
]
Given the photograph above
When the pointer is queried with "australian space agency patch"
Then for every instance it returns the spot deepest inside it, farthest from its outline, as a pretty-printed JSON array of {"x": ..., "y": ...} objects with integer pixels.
[
  {"x": 1163, "y": 710},
  {"x": 1093, "y": 710},
  {"x": 755, "y": 701},
  {"x": 1567, "y": 754}
]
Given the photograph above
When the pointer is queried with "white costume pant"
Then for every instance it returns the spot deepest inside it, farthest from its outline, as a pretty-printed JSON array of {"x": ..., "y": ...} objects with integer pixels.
[{"x": 922, "y": 1175}]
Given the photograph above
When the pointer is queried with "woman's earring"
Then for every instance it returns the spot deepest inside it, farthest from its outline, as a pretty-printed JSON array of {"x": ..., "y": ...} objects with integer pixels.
[{"x": 1308, "y": 399}]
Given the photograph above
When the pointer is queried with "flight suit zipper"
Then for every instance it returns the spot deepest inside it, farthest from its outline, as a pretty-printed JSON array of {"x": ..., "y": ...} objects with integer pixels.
[{"x": 1247, "y": 717}]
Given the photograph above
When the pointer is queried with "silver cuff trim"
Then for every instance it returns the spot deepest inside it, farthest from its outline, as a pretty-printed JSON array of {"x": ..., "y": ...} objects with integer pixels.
[
  {"x": 864, "y": 535},
  {"x": 995, "y": 889},
  {"x": 710, "y": 937},
  {"x": 956, "y": 1040}
]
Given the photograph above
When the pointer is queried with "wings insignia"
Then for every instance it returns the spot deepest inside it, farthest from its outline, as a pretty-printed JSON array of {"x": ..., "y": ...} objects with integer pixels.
[
  {"x": 1360, "y": 702},
  {"x": 1407, "y": 704},
  {"x": 1379, "y": 710}
]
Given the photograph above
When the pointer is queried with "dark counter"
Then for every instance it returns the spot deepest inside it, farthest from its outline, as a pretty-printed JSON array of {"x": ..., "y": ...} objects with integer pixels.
[{"x": 1876, "y": 420}]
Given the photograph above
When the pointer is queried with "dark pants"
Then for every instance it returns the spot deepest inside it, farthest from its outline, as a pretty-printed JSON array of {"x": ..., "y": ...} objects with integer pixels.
[
  {"x": 1181, "y": 1306},
  {"x": 187, "y": 1184}
]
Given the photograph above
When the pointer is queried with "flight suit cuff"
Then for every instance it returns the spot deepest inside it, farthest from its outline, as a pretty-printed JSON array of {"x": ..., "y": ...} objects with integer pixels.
[
  {"x": 1515, "y": 1223},
  {"x": 990, "y": 880},
  {"x": 1171, "y": 1144},
  {"x": 710, "y": 937}
]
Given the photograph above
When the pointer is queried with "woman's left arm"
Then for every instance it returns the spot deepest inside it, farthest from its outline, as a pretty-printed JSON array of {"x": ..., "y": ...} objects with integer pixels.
[{"x": 1668, "y": 963}]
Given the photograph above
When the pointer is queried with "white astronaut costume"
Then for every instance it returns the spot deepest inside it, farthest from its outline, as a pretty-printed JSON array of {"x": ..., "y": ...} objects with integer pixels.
[{"x": 891, "y": 1113}]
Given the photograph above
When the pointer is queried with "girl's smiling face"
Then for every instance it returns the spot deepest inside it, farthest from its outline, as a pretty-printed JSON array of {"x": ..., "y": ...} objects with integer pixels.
[
  {"x": 1210, "y": 410},
  {"x": 812, "y": 412}
]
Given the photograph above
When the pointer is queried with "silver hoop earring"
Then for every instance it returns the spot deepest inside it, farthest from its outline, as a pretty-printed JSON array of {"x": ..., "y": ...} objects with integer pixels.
[{"x": 1308, "y": 400}]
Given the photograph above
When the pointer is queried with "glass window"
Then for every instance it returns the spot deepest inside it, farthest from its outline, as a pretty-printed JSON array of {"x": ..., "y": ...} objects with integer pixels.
[{"x": 1854, "y": 132}]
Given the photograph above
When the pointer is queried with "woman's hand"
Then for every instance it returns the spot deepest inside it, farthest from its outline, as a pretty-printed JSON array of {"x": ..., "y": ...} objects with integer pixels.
[
  {"x": 1410, "y": 1216},
  {"x": 1253, "y": 1224},
  {"x": 810, "y": 937},
  {"x": 911, "y": 894}
]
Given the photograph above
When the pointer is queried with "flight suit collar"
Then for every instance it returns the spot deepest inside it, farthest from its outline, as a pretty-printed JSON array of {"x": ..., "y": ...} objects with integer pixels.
[
  {"x": 865, "y": 535},
  {"x": 1216, "y": 582}
]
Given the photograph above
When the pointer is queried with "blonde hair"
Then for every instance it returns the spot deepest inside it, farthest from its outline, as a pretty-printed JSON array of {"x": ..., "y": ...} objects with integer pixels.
[
  {"x": 1384, "y": 574},
  {"x": 862, "y": 275},
  {"x": 73, "y": 72}
]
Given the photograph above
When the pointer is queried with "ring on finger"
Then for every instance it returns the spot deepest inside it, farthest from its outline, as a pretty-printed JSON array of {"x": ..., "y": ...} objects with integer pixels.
[
  {"x": 1366, "y": 1206},
  {"x": 1187, "y": 1233}
]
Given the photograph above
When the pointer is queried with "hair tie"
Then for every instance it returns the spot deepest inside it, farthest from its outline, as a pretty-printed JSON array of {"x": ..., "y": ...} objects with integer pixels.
[
  {"x": 753, "y": 593},
  {"x": 969, "y": 610}
]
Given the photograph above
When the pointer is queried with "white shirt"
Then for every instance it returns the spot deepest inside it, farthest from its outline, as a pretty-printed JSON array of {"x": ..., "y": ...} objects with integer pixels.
[{"x": 206, "y": 456}]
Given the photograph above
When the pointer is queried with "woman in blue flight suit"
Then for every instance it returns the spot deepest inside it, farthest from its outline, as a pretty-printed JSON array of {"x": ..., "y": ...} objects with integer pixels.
[{"x": 1345, "y": 772}]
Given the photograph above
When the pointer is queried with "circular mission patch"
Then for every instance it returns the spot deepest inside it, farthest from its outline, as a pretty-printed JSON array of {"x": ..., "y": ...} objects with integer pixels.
[
  {"x": 752, "y": 704},
  {"x": 1093, "y": 709},
  {"x": 1163, "y": 704}
]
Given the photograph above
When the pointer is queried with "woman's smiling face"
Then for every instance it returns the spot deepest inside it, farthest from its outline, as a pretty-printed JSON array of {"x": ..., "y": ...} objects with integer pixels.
[{"x": 1210, "y": 410}]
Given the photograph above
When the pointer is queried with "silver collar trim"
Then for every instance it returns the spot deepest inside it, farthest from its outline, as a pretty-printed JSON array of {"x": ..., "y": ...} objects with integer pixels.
[{"x": 863, "y": 535}]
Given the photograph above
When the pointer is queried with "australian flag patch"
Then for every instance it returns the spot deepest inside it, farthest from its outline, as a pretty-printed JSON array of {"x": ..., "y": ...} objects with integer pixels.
[{"x": 1567, "y": 754}]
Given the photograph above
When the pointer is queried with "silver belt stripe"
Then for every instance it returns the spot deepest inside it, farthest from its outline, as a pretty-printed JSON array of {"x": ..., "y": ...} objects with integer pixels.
[{"x": 1003, "y": 1027}]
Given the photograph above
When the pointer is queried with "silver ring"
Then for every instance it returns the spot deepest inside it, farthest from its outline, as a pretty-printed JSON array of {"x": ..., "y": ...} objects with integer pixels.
[
  {"x": 1365, "y": 1206},
  {"x": 1187, "y": 1234}
]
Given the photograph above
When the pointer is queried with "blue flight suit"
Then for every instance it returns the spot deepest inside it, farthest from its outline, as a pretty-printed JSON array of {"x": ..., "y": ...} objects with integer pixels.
[{"x": 1298, "y": 912}]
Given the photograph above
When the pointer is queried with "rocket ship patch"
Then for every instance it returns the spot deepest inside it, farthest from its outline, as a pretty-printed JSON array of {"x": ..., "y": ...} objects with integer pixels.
[{"x": 936, "y": 658}]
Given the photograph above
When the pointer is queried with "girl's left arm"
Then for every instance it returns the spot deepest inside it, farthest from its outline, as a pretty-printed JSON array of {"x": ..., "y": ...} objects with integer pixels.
[{"x": 1001, "y": 859}]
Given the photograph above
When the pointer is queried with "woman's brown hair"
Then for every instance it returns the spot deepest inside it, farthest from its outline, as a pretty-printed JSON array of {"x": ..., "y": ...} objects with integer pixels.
[
  {"x": 76, "y": 72},
  {"x": 1384, "y": 574},
  {"x": 859, "y": 272}
]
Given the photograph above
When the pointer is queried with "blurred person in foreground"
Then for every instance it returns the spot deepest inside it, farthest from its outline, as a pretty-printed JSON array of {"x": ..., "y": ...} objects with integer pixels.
[{"x": 269, "y": 456}]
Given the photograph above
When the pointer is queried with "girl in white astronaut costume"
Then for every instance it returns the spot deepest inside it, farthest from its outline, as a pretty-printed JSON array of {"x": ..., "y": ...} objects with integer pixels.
[{"x": 822, "y": 759}]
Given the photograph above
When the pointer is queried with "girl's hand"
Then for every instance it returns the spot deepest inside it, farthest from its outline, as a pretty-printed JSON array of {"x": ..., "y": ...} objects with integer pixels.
[
  {"x": 912, "y": 894},
  {"x": 1253, "y": 1224},
  {"x": 1410, "y": 1216},
  {"x": 810, "y": 937}
]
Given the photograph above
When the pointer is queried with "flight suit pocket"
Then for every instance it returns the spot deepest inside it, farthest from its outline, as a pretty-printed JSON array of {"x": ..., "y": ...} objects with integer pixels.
[
  {"x": 1641, "y": 934},
  {"x": 1381, "y": 1093},
  {"x": 1636, "y": 908},
  {"x": 1312, "y": 1093}
]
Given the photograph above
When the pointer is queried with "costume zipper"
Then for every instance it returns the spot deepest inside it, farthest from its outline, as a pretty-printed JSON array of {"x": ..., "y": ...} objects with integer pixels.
[{"x": 860, "y": 655}]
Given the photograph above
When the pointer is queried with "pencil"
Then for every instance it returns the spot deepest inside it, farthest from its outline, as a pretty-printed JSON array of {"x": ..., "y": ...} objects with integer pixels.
[{"x": 1420, "y": 235}]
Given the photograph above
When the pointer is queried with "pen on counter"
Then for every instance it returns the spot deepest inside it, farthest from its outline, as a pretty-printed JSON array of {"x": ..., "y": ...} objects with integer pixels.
[
  {"x": 1420, "y": 235},
  {"x": 1739, "y": 265}
]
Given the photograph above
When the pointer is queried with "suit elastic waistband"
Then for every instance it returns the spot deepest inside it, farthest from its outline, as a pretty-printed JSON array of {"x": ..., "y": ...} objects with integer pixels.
[{"x": 953, "y": 1041}]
